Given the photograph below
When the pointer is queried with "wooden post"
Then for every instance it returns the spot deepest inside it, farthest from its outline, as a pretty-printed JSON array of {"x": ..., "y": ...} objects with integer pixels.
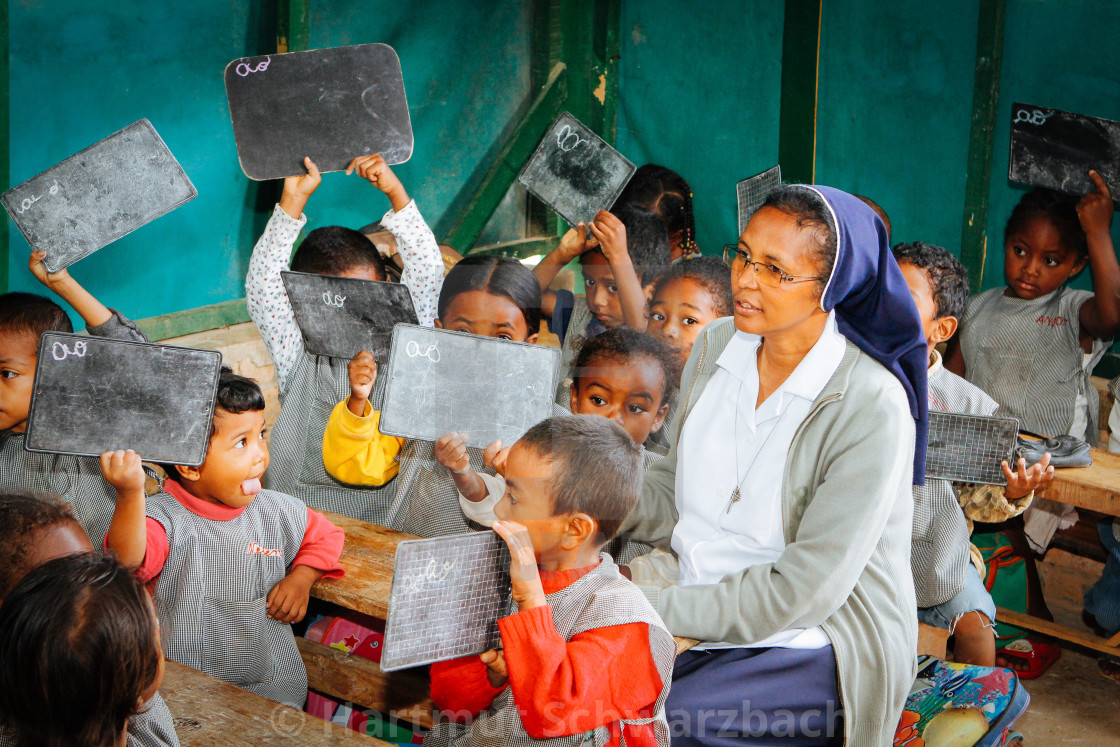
[
  {"x": 985, "y": 103},
  {"x": 292, "y": 22},
  {"x": 797, "y": 120}
]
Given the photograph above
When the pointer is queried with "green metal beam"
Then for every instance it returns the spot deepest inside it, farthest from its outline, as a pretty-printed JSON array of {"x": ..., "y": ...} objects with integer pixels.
[
  {"x": 981, "y": 139},
  {"x": 202, "y": 319},
  {"x": 5, "y": 142},
  {"x": 490, "y": 190},
  {"x": 520, "y": 248},
  {"x": 797, "y": 120},
  {"x": 293, "y": 20}
]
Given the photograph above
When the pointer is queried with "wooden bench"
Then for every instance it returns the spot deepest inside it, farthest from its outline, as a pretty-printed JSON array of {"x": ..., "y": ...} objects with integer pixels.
[
  {"x": 210, "y": 711},
  {"x": 1093, "y": 488}
]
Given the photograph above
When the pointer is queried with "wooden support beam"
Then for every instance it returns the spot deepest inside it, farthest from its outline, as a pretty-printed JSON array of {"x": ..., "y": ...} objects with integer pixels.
[
  {"x": 488, "y": 193},
  {"x": 1054, "y": 630},
  {"x": 797, "y": 120},
  {"x": 981, "y": 139},
  {"x": 292, "y": 25},
  {"x": 202, "y": 319},
  {"x": 401, "y": 695},
  {"x": 5, "y": 142},
  {"x": 520, "y": 248}
]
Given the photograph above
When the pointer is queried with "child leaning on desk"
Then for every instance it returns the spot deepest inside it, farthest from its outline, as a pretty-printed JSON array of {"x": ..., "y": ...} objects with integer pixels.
[{"x": 585, "y": 658}]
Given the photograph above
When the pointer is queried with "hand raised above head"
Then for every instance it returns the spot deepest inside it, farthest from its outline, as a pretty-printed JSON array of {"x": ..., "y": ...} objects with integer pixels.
[
  {"x": 122, "y": 469},
  {"x": 39, "y": 270},
  {"x": 1095, "y": 208},
  {"x": 299, "y": 188}
]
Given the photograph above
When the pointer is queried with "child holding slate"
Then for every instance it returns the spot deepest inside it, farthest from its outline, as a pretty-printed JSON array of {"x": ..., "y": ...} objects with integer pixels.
[
  {"x": 585, "y": 659},
  {"x": 35, "y": 529},
  {"x": 1033, "y": 344},
  {"x": 950, "y": 590},
  {"x": 311, "y": 385},
  {"x": 624, "y": 375},
  {"x": 24, "y": 317},
  {"x": 482, "y": 295},
  {"x": 79, "y": 657},
  {"x": 232, "y": 565}
]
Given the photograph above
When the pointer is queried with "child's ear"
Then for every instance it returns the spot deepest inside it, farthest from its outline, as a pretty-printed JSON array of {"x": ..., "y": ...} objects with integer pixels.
[
  {"x": 191, "y": 474},
  {"x": 1080, "y": 265},
  {"x": 579, "y": 529},
  {"x": 944, "y": 327},
  {"x": 649, "y": 292},
  {"x": 660, "y": 419},
  {"x": 438, "y": 323},
  {"x": 573, "y": 397},
  {"x": 532, "y": 339}
]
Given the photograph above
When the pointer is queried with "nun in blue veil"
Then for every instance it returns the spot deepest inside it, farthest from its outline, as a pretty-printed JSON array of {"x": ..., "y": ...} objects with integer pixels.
[{"x": 786, "y": 495}]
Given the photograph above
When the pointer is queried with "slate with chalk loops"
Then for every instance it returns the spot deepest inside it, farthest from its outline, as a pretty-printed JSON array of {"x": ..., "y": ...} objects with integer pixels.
[{"x": 1055, "y": 149}]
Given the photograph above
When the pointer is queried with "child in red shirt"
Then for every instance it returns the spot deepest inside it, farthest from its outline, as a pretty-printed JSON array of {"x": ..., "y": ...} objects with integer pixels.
[{"x": 585, "y": 659}]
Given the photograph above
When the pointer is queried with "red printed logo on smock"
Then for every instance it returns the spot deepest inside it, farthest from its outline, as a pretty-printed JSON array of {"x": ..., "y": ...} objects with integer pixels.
[
  {"x": 255, "y": 549},
  {"x": 1053, "y": 321}
]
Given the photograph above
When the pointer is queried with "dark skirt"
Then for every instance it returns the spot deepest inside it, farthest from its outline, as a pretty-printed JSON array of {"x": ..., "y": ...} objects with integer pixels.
[{"x": 755, "y": 696}]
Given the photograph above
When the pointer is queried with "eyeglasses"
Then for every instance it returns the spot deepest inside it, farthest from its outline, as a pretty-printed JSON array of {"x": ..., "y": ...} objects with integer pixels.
[{"x": 739, "y": 260}]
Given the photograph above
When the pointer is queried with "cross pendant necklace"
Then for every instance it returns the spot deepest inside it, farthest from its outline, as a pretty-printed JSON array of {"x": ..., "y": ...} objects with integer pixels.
[{"x": 737, "y": 493}]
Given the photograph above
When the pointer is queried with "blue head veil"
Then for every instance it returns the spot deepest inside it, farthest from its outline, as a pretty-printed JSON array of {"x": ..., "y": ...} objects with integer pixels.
[{"x": 874, "y": 308}]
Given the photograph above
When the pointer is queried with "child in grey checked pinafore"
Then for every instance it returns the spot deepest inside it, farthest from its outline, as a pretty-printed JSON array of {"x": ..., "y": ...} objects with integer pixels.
[
  {"x": 232, "y": 564},
  {"x": 552, "y": 683},
  {"x": 947, "y": 586},
  {"x": 488, "y": 296},
  {"x": 311, "y": 385},
  {"x": 24, "y": 317}
]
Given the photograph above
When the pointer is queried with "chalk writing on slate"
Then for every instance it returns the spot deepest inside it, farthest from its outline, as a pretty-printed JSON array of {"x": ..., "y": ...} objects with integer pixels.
[
  {"x": 447, "y": 596},
  {"x": 490, "y": 389},
  {"x": 969, "y": 448},
  {"x": 98, "y": 195},
  {"x": 575, "y": 172},
  {"x": 330, "y": 104},
  {"x": 752, "y": 192},
  {"x": 94, "y": 395},
  {"x": 340, "y": 317},
  {"x": 1055, "y": 149}
]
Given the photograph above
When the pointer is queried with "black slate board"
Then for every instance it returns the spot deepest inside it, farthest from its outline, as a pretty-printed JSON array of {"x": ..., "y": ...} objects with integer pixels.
[
  {"x": 447, "y": 596},
  {"x": 1055, "y": 149},
  {"x": 94, "y": 395},
  {"x": 969, "y": 448},
  {"x": 575, "y": 172},
  {"x": 98, "y": 195},
  {"x": 752, "y": 192},
  {"x": 340, "y": 317},
  {"x": 330, "y": 104},
  {"x": 491, "y": 389}
]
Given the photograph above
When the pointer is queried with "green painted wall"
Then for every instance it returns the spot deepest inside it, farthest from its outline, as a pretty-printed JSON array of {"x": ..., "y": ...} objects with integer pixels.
[
  {"x": 1058, "y": 54},
  {"x": 80, "y": 72},
  {"x": 699, "y": 93}
]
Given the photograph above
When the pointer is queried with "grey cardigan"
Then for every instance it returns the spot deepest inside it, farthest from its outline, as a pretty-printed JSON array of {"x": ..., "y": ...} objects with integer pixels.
[{"x": 847, "y": 509}]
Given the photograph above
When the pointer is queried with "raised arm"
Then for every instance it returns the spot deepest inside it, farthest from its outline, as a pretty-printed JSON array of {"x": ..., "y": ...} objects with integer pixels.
[
  {"x": 611, "y": 233},
  {"x": 1100, "y": 315},
  {"x": 419, "y": 252},
  {"x": 573, "y": 244},
  {"x": 128, "y": 536},
  {"x": 268, "y": 303}
]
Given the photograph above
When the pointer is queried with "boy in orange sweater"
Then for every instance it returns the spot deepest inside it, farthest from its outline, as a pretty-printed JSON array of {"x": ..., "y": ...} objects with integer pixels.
[{"x": 585, "y": 658}]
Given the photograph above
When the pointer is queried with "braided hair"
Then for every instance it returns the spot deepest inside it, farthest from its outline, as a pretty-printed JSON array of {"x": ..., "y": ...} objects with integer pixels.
[{"x": 667, "y": 194}]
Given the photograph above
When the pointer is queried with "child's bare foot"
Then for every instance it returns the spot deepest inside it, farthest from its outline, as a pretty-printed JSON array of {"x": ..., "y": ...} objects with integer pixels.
[{"x": 1028, "y": 658}]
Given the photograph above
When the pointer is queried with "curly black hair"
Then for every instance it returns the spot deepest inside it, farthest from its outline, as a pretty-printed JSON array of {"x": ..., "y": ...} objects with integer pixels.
[
  {"x": 625, "y": 344},
  {"x": 1060, "y": 209},
  {"x": 710, "y": 272},
  {"x": 947, "y": 277}
]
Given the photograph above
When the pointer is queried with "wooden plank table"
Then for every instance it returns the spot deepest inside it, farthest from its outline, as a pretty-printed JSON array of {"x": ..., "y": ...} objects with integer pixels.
[
  {"x": 209, "y": 711},
  {"x": 367, "y": 558}
]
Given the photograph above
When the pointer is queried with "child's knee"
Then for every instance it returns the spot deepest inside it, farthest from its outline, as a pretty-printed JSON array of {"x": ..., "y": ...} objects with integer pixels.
[{"x": 973, "y": 623}]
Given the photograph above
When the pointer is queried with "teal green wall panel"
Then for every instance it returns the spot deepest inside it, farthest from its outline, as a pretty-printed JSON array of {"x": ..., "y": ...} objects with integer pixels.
[
  {"x": 1057, "y": 54},
  {"x": 894, "y": 108},
  {"x": 466, "y": 73},
  {"x": 699, "y": 91},
  {"x": 80, "y": 72}
]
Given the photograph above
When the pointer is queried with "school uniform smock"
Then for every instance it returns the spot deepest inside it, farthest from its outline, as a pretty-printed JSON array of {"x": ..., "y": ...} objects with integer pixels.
[
  {"x": 78, "y": 479},
  {"x": 153, "y": 726},
  {"x": 1026, "y": 354},
  {"x": 943, "y": 510},
  {"x": 311, "y": 385},
  {"x": 212, "y": 567},
  {"x": 592, "y": 667}
]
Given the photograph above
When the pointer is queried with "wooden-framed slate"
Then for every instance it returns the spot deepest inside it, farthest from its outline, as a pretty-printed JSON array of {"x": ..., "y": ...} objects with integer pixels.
[
  {"x": 98, "y": 195},
  {"x": 94, "y": 394},
  {"x": 575, "y": 172},
  {"x": 340, "y": 317},
  {"x": 969, "y": 448},
  {"x": 440, "y": 381},
  {"x": 447, "y": 596},
  {"x": 1055, "y": 149},
  {"x": 330, "y": 104}
]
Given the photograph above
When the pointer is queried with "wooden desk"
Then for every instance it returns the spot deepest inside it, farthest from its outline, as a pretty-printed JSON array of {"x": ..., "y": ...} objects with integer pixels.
[
  {"x": 209, "y": 711},
  {"x": 367, "y": 557},
  {"x": 1095, "y": 488}
]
